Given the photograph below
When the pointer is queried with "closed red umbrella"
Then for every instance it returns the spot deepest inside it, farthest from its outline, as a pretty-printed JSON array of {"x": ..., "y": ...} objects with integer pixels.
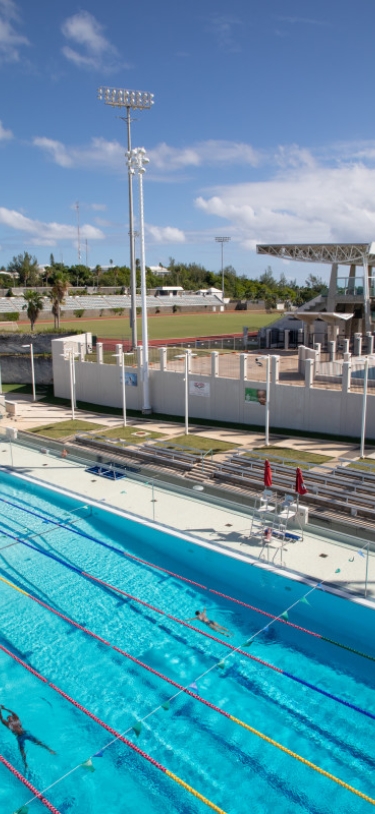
[
  {"x": 267, "y": 474},
  {"x": 300, "y": 486}
]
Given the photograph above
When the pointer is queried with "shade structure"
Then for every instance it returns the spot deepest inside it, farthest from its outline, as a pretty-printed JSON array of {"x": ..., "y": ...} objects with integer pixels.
[
  {"x": 267, "y": 474},
  {"x": 300, "y": 486}
]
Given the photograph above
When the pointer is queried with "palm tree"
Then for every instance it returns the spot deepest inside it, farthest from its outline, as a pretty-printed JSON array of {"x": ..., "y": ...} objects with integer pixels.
[
  {"x": 34, "y": 305},
  {"x": 57, "y": 293}
]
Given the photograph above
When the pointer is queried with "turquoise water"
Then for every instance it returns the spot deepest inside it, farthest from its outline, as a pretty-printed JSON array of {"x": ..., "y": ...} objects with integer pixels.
[{"x": 230, "y": 766}]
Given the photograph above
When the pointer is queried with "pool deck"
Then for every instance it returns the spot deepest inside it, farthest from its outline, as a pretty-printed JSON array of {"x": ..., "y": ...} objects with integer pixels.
[{"x": 317, "y": 555}]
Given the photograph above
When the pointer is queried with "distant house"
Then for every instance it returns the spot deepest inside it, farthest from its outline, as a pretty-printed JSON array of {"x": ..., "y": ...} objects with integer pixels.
[
  {"x": 209, "y": 291},
  {"x": 159, "y": 271}
]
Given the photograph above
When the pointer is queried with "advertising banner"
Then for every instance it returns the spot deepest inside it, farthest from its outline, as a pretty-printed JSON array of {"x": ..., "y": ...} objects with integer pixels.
[
  {"x": 199, "y": 388},
  {"x": 131, "y": 379},
  {"x": 252, "y": 394}
]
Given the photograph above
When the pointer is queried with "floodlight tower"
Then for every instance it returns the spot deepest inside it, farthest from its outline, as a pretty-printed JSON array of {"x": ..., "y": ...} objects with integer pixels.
[
  {"x": 137, "y": 160},
  {"x": 131, "y": 100},
  {"x": 222, "y": 240}
]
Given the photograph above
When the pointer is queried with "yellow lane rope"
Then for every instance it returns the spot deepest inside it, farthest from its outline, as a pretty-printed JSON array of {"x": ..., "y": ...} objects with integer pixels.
[
  {"x": 194, "y": 792},
  {"x": 256, "y": 732},
  {"x": 304, "y": 760}
]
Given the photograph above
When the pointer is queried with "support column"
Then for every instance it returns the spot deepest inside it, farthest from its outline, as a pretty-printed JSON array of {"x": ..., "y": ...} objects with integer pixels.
[
  {"x": 119, "y": 351},
  {"x": 357, "y": 344},
  {"x": 369, "y": 343},
  {"x": 306, "y": 334},
  {"x": 214, "y": 364},
  {"x": 345, "y": 346},
  {"x": 99, "y": 353},
  {"x": 268, "y": 337},
  {"x": 163, "y": 359},
  {"x": 366, "y": 294},
  {"x": 286, "y": 340},
  {"x": 332, "y": 291},
  {"x": 275, "y": 369},
  {"x": 332, "y": 351},
  {"x": 243, "y": 367},
  {"x": 82, "y": 352},
  {"x": 309, "y": 373},
  {"x": 346, "y": 376}
]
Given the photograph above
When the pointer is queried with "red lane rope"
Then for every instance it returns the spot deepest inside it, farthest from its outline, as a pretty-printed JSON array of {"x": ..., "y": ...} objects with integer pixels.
[{"x": 26, "y": 783}]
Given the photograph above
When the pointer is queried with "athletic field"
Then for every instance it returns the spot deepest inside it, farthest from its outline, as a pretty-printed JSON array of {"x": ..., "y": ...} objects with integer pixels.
[{"x": 169, "y": 326}]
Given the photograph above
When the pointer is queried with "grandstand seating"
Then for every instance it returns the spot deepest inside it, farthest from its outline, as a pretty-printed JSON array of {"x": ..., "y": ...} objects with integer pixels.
[{"x": 101, "y": 302}]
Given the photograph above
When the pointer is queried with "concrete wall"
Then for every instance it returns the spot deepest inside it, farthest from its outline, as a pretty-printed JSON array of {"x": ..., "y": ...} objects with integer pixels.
[{"x": 337, "y": 412}]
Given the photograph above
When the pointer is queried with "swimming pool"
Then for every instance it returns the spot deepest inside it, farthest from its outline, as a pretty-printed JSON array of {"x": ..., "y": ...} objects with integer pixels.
[{"x": 232, "y": 767}]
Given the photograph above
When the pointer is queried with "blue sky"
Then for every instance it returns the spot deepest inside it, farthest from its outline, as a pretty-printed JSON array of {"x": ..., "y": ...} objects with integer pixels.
[{"x": 262, "y": 128}]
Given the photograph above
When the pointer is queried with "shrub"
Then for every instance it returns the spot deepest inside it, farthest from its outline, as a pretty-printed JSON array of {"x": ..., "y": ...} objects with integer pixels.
[
  {"x": 11, "y": 316},
  {"x": 118, "y": 311},
  {"x": 79, "y": 313}
]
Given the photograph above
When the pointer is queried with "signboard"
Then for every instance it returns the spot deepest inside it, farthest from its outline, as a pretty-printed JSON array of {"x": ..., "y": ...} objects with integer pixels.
[
  {"x": 131, "y": 379},
  {"x": 199, "y": 388},
  {"x": 252, "y": 394}
]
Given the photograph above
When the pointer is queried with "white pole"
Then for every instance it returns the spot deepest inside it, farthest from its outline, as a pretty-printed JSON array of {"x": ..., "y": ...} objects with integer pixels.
[
  {"x": 32, "y": 370},
  {"x": 146, "y": 395},
  {"x": 71, "y": 362},
  {"x": 268, "y": 360},
  {"x": 187, "y": 392},
  {"x": 123, "y": 387},
  {"x": 364, "y": 409}
]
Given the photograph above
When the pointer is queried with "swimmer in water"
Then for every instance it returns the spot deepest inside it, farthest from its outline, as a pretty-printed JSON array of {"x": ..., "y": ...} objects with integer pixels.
[
  {"x": 202, "y": 616},
  {"x": 13, "y": 723}
]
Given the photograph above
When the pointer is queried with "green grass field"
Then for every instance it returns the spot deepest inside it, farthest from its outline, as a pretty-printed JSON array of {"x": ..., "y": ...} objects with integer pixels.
[{"x": 169, "y": 326}]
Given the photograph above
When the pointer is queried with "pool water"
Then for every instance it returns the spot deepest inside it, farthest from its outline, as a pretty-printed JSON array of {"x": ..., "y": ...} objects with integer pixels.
[{"x": 228, "y": 765}]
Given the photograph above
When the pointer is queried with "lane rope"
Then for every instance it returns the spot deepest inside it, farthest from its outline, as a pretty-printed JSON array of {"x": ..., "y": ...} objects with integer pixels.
[
  {"x": 70, "y": 527},
  {"x": 117, "y": 735},
  {"x": 177, "y": 779},
  {"x": 37, "y": 794},
  {"x": 233, "y": 648}
]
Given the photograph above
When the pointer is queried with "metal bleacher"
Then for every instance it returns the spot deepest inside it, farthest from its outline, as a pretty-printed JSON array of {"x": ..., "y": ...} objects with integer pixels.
[
  {"x": 333, "y": 490},
  {"x": 103, "y": 302}
]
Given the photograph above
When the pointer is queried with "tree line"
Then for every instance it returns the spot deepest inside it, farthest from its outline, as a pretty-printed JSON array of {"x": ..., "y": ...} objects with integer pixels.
[{"x": 58, "y": 277}]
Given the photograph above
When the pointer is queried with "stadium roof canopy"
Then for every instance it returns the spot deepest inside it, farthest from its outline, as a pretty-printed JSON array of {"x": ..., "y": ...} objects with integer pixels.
[{"x": 342, "y": 253}]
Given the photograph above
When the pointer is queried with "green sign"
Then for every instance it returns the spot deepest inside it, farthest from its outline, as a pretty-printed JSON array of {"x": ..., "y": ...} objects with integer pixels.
[{"x": 252, "y": 394}]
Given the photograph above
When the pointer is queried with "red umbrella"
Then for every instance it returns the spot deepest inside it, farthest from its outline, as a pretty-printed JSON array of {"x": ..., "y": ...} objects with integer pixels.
[
  {"x": 300, "y": 486},
  {"x": 267, "y": 474}
]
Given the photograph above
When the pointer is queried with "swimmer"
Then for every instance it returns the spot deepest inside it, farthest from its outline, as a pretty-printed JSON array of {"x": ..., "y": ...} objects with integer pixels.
[
  {"x": 13, "y": 723},
  {"x": 202, "y": 616}
]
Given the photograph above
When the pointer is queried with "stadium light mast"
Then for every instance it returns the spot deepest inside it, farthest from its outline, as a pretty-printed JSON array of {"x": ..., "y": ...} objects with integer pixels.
[
  {"x": 131, "y": 100},
  {"x": 136, "y": 162},
  {"x": 222, "y": 240}
]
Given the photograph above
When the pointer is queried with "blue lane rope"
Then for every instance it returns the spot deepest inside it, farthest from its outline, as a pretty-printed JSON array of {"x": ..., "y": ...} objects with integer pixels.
[{"x": 310, "y": 686}]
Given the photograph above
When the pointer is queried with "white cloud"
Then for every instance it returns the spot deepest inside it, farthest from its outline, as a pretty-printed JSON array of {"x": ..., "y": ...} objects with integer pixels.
[
  {"x": 10, "y": 39},
  {"x": 223, "y": 27},
  {"x": 46, "y": 234},
  {"x": 95, "y": 51},
  {"x": 166, "y": 234},
  {"x": 98, "y": 207},
  {"x": 308, "y": 204},
  {"x": 99, "y": 152},
  {"x": 5, "y": 135},
  {"x": 210, "y": 152},
  {"x": 56, "y": 150},
  {"x": 111, "y": 154}
]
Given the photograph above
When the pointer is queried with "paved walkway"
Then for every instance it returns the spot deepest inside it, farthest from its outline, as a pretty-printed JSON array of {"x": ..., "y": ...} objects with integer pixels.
[
  {"x": 317, "y": 555},
  {"x": 35, "y": 414}
]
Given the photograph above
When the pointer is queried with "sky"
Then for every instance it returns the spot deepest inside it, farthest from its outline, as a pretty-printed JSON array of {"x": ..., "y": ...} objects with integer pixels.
[{"x": 262, "y": 128}]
